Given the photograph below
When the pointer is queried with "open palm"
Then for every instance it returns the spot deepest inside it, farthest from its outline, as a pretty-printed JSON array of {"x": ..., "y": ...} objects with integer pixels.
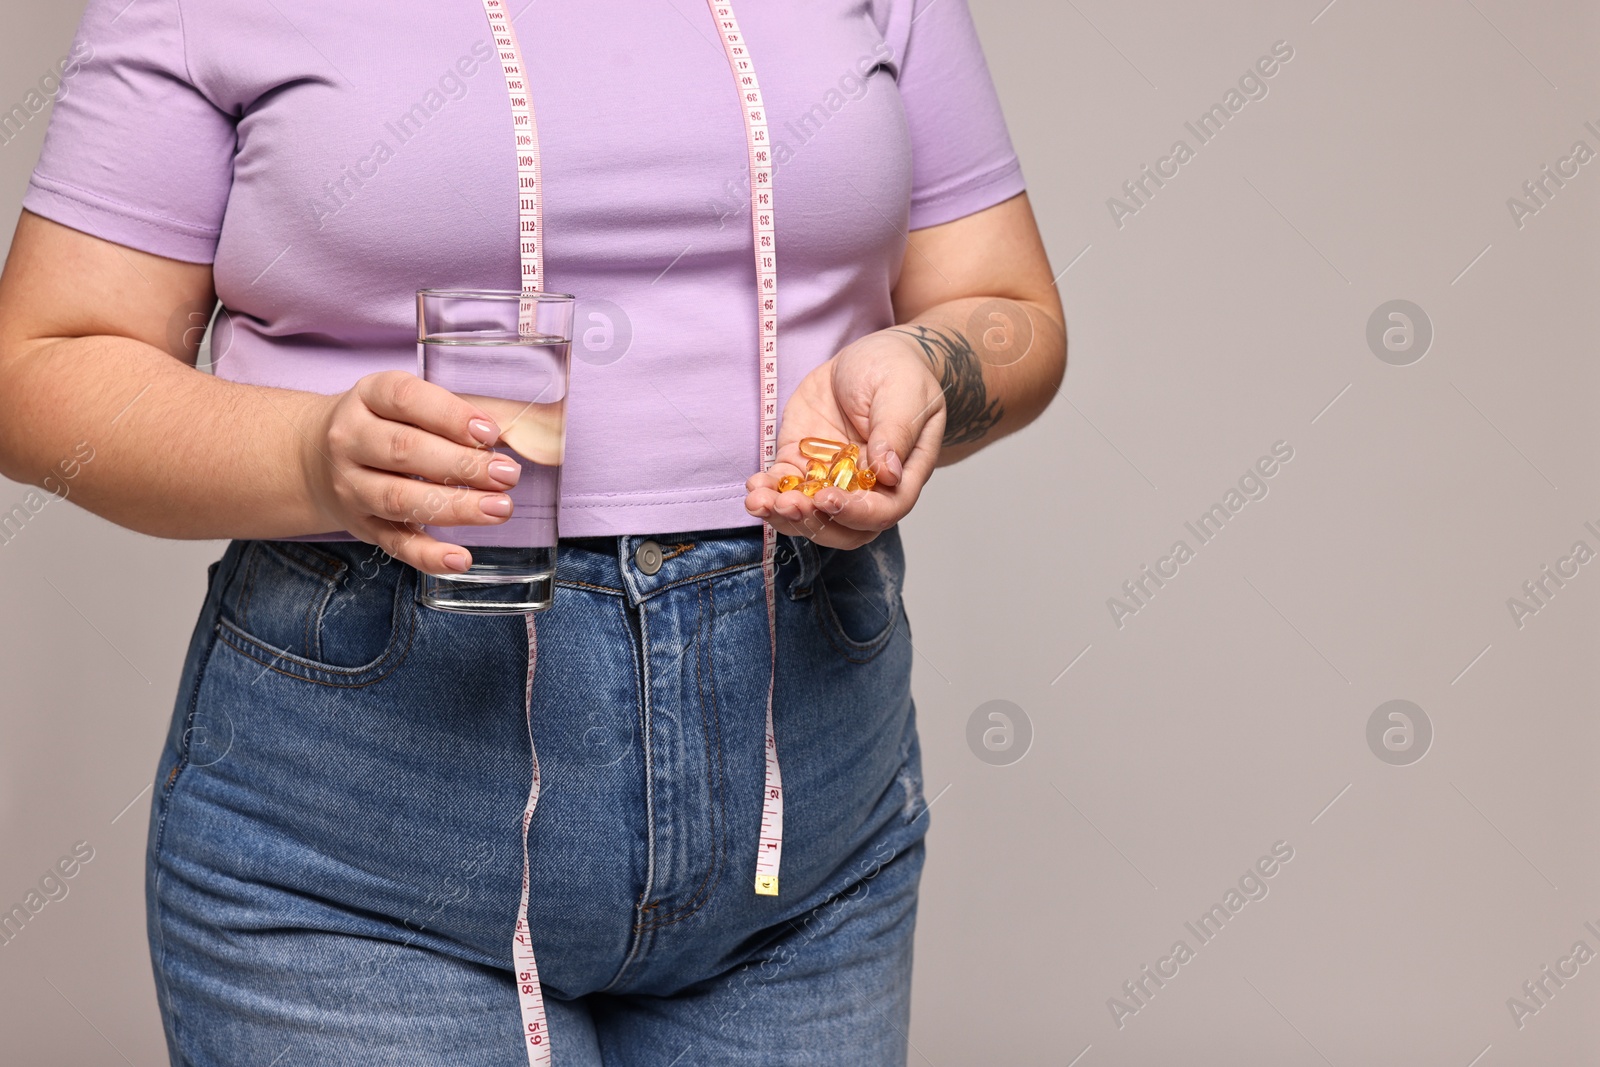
[{"x": 878, "y": 390}]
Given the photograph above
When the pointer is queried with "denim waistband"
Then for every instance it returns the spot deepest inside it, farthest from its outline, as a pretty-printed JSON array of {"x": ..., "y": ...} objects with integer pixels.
[{"x": 612, "y": 564}]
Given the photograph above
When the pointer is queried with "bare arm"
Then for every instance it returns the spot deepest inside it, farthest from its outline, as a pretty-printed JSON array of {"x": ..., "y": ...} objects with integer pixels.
[
  {"x": 85, "y": 358},
  {"x": 977, "y": 300}
]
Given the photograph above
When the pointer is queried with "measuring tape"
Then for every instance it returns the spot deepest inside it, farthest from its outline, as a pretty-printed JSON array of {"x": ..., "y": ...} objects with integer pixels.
[
  {"x": 535, "y": 1030},
  {"x": 769, "y": 849},
  {"x": 530, "y": 218},
  {"x": 530, "y": 238}
]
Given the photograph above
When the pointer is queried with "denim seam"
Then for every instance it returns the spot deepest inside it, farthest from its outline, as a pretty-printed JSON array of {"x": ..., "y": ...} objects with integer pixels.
[
  {"x": 315, "y": 620},
  {"x": 248, "y": 584},
  {"x": 805, "y": 556},
  {"x": 272, "y": 663},
  {"x": 380, "y": 668},
  {"x": 695, "y": 643},
  {"x": 713, "y": 876},
  {"x": 165, "y": 800},
  {"x": 328, "y": 573},
  {"x": 640, "y": 935},
  {"x": 333, "y": 568},
  {"x": 753, "y": 565},
  {"x": 573, "y": 583},
  {"x": 716, "y": 718},
  {"x": 677, "y": 550},
  {"x": 328, "y": 576},
  {"x": 852, "y": 651}
]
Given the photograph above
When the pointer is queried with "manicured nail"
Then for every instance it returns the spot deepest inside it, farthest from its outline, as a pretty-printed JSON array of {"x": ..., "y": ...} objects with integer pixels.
[
  {"x": 506, "y": 471},
  {"x": 498, "y": 506},
  {"x": 486, "y": 432},
  {"x": 456, "y": 561}
]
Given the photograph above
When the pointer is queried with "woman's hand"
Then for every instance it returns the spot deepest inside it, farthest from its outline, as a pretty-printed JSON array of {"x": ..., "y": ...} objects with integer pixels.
[
  {"x": 880, "y": 390},
  {"x": 365, "y": 445}
]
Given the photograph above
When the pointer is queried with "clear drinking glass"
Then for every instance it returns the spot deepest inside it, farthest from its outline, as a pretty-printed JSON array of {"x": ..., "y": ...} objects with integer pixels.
[{"x": 509, "y": 352}]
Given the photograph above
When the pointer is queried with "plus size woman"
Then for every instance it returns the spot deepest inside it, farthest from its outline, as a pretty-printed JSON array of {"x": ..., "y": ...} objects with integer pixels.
[{"x": 335, "y": 851}]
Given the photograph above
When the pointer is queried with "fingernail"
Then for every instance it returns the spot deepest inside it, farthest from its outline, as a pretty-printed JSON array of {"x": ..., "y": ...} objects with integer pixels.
[
  {"x": 831, "y": 504},
  {"x": 498, "y": 506},
  {"x": 891, "y": 463},
  {"x": 456, "y": 561},
  {"x": 486, "y": 432},
  {"x": 505, "y": 470}
]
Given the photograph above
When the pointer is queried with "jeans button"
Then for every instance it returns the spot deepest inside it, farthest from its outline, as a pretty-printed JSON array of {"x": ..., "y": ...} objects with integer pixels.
[{"x": 647, "y": 557}]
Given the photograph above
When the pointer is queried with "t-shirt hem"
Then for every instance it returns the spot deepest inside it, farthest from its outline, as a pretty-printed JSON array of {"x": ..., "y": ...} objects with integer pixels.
[
  {"x": 92, "y": 214},
  {"x": 967, "y": 197}
]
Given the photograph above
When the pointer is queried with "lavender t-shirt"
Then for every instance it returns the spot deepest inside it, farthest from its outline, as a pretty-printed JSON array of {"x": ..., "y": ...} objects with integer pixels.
[{"x": 331, "y": 158}]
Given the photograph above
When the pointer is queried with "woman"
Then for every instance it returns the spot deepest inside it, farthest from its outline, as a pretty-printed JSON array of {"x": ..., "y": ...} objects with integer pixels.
[{"x": 334, "y": 859}]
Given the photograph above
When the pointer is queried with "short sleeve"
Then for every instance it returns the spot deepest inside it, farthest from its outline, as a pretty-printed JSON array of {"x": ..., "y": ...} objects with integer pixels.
[
  {"x": 962, "y": 159},
  {"x": 135, "y": 153}
]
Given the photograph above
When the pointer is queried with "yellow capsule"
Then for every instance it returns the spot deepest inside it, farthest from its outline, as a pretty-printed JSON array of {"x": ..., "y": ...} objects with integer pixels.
[
  {"x": 788, "y": 482},
  {"x": 865, "y": 478},
  {"x": 820, "y": 448},
  {"x": 817, "y": 469},
  {"x": 844, "y": 472},
  {"x": 850, "y": 452},
  {"x": 810, "y": 486}
]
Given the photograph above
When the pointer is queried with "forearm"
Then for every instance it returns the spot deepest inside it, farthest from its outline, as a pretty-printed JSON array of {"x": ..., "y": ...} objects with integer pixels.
[
  {"x": 173, "y": 452},
  {"x": 999, "y": 363}
]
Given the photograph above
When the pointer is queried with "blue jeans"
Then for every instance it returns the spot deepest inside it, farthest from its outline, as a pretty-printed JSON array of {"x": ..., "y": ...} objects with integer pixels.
[{"x": 334, "y": 854}]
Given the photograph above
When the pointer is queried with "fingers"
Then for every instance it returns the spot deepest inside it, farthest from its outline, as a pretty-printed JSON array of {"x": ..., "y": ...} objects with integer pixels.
[
  {"x": 820, "y": 529},
  {"x": 397, "y": 498},
  {"x": 402, "y": 397},
  {"x": 398, "y": 447},
  {"x": 867, "y": 511},
  {"x": 768, "y": 479},
  {"x": 798, "y": 515},
  {"x": 413, "y": 547},
  {"x": 537, "y": 431},
  {"x": 924, "y": 455},
  {"x": 402, "y": 454},
  {"x": 898, "y": 420},
  {"x": 861, "y": 511}
]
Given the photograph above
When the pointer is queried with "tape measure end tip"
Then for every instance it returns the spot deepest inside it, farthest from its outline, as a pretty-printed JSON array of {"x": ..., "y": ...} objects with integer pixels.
[{"x": 766, "y": 885}]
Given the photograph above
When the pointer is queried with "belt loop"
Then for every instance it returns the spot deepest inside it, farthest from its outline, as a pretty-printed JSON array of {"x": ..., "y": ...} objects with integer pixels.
[
  {"x": 627, "y": 544},
  {"x": 803, "y": 550}
]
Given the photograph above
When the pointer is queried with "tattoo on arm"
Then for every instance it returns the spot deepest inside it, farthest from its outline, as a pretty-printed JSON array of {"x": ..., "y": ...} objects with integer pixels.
[{"x": 969, "y": 413}]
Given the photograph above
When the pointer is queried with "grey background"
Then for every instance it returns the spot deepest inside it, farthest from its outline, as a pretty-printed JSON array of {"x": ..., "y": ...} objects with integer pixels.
[{"x": 1232, "y": 711}]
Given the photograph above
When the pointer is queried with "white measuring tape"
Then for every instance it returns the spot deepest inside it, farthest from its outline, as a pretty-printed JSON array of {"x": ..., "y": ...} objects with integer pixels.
[
  {"x": 762, "y": 222},
  {"x": 535, "y": 1031},
  {"x": 530, "y": 218},
  {"x": 769, "y": 852}
]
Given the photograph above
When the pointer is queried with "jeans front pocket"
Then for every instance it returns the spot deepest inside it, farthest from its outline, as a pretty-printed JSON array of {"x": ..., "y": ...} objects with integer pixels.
[
  {"x": 857, "y": 595},
  {"x": 319, "y": 612}
]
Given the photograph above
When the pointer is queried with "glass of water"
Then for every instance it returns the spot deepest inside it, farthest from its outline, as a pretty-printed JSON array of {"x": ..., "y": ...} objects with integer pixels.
[{"x": 508, "y": 352}]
